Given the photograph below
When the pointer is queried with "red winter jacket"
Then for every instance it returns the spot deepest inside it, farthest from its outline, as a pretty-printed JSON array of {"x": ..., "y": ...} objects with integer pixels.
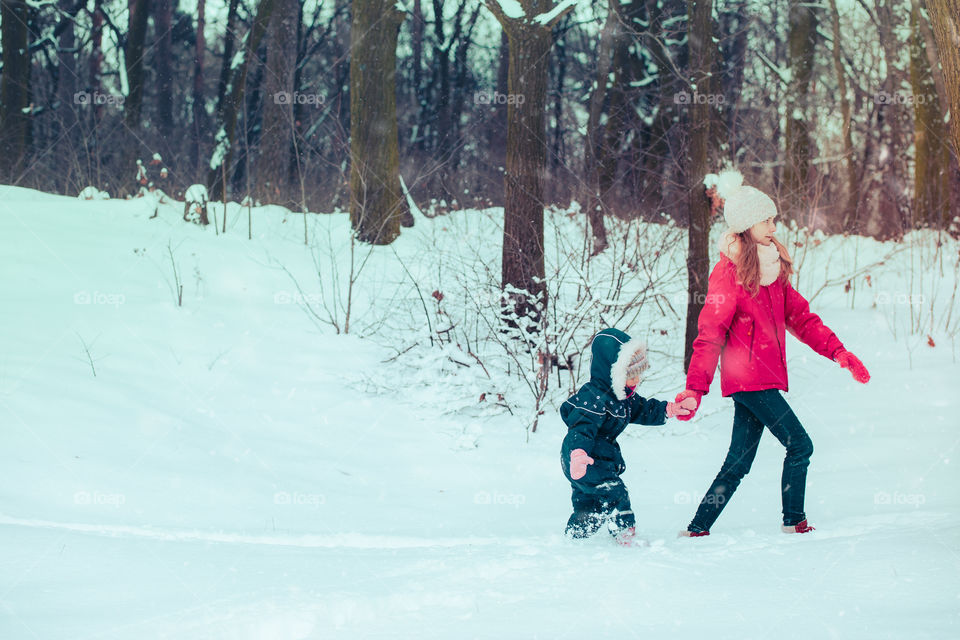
[{"x": 747, "y": 334}]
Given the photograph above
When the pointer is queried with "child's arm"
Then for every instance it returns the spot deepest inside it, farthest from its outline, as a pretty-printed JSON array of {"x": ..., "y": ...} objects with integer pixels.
[
  {"x": 582, "y": 427},
  {"x": 650, "y": 411}
]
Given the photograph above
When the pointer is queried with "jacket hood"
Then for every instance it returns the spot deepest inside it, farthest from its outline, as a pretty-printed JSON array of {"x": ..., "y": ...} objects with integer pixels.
[{"x": 612, "y": 350}]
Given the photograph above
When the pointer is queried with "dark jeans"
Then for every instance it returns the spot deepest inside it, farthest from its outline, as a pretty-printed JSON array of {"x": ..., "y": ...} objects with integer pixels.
[{"x": 752, "y": 411}]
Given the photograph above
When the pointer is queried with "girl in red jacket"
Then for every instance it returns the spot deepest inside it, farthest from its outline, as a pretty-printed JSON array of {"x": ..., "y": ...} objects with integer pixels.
[{"x": 749, "y": 306}]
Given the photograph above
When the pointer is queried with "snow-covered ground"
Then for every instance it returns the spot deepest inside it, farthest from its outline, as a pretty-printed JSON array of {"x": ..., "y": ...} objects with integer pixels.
[{"x": 234, "y": 468}]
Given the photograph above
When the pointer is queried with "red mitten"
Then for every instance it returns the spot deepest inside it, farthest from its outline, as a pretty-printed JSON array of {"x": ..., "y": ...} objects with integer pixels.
[
  {"x": 682, "y": 408},
  {"x": 849, "y": 361},
  {"x": 578, "y": 463},
  {"x": 682, "y": 398}
]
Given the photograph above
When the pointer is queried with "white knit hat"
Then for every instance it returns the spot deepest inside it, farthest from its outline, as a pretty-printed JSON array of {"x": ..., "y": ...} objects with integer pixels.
[{"x": 743, "y": 206}]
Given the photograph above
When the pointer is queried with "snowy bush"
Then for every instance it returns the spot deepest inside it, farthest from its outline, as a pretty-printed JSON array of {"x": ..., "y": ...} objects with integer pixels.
[
  {"x": 195, "y": 204},
  {"x": 92, "y": 193}
]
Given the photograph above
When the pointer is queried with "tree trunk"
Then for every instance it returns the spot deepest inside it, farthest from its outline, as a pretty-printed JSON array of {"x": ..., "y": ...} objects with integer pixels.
[
  {"x": 620, "y": 109},
  {"x": 133, "y": 102},
  {"x": 67, "y": 88},
  {"x": 931, "y": 199},
  {"x": 15, "y": 118},
  {"x": 594, "y": 135},
  {"x": 802, "y": 41},
  {"x": 662, "y": 137},
  {"x": 884, "y": 210},
  {"x": 229, "y": 42},
  {"x": 199, "y": 112},
  {"x": 163, "y": 14},
  {"x": 376, "y": 201},
  {"x": 945, "y": 20},
  {"x": 272, "y": 177},
  {"x": 849, "y": 211},
  {"x": 232, "y": 102},
  {"x": 700, "y": 115},
  {"x": 523, "y": 272}
]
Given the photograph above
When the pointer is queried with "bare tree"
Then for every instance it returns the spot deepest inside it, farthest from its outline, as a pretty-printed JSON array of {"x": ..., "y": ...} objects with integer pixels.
[
  {"x": 233, "y": 95},
  {"x": 802, "y": 40},
  {"x": 945, "y": 19},
  {"x": 702, "y": 51},
  {"x": 199, "y": 113},
  {"x": 849, "y": 153},
  {"x": 931, "y": 199},
  {"x": 162, "y": 21},
  {"x": 522, "y": 267},
  {"x": 276, "y": 139},
  {"x": 376, "y": 200},
  {"x": 133, "y": 103},
  {"x": 15, "y": 112}
]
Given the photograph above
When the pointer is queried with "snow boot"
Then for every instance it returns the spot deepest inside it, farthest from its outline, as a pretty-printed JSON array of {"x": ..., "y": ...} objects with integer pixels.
[
  {"x": 800, "y": 527},
  {"x": 686, "y": 533},
  {"x": 627, "y": 537}
]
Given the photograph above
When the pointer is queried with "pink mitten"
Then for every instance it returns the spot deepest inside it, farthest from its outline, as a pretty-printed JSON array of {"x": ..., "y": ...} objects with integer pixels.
[
  {"x": 681, "y": 408},
  {"x": 849, "y": 361},
  {"x": 682, "y": 398},
  {"x": 578, "y": 463}
]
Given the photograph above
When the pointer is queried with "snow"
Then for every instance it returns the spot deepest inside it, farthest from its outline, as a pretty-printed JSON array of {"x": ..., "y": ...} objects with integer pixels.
[
  {"x": 92, "y": 193},
  {"x": 549, "y": 16},
  {"x": 237, "y": 469},
  {"x": 511, "y": 8},
  {"x": 196, "y": 193}
]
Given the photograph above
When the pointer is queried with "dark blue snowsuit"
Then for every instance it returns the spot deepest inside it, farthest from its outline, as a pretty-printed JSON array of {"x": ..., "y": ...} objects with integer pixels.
[{"x": 595, "y": 417}]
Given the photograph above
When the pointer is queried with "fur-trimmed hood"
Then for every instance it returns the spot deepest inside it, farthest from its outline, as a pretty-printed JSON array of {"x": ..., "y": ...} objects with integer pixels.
[{"x": 612, "y": 351}]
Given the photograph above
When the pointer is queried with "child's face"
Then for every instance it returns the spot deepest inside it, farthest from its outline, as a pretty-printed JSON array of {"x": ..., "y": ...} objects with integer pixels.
[{"x": 633, "y": 382}]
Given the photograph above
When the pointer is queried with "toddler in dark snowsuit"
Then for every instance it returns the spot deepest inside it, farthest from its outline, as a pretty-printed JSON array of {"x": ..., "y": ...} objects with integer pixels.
[{"x": 599, "y": 412}]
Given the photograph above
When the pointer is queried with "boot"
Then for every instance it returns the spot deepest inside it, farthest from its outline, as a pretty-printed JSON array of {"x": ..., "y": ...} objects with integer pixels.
[{"x": 800, "y": 527}]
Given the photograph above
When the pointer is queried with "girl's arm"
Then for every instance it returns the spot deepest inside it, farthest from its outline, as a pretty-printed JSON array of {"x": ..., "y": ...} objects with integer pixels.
[
  {"x": 807, "y": 326},
  {"x": 712, "y": 326}
]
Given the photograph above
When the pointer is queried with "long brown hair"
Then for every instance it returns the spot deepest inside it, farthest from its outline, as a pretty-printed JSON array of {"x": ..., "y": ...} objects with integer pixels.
[{"x": 748, "y": 262}]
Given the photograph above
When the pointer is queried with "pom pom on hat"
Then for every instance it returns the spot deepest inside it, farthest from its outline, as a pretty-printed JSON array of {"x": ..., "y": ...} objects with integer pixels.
[{"x": 743, "y": 206}]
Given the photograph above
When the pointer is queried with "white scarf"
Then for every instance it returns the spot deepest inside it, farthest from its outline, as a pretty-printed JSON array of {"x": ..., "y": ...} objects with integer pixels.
[{"x": 768, "y": 255}]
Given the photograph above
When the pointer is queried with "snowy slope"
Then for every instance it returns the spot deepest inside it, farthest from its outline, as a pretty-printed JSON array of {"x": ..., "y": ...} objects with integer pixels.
[{"x": 236, "y": 469}]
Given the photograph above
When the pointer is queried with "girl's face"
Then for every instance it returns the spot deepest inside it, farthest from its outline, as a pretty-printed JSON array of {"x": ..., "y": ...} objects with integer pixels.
[
  {"x": 762, "y": 232},
  {"x": 633, "y": 382}
]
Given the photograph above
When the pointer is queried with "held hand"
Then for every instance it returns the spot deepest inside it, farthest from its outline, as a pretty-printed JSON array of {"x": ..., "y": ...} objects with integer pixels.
[
  {"x": 682, "y": 408},
  {"x": 851, "y": 362},
  {"x": 578, "y": 463},
  {"x": 683, "y": 399}
]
